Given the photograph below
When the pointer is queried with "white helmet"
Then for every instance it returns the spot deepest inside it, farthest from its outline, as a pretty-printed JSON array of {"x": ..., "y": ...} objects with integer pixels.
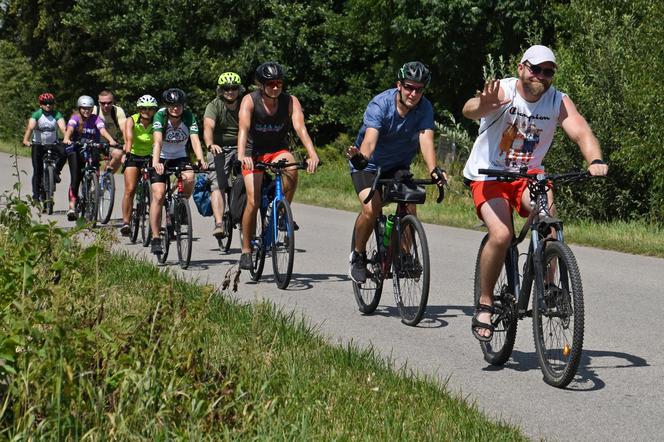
[
  {"x": 85, "y": 101},
  {"x": 147, "y": 101}
]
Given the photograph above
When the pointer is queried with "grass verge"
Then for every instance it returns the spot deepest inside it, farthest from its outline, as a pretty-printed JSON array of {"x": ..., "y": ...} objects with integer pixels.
[
  {"x": 88, "y": 352},
  {"x": 331, "y": 186}
]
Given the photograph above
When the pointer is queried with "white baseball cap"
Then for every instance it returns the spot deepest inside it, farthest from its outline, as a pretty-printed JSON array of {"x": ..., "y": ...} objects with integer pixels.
[{"x": 538, "y": 54}]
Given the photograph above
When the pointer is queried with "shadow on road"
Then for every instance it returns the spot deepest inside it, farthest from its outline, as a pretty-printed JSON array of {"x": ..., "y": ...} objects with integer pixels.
[{"x": 587, "y": 378}]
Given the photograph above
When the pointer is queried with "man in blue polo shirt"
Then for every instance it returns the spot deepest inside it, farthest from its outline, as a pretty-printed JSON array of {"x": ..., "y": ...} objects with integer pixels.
[{"x": 396, "y": 123}]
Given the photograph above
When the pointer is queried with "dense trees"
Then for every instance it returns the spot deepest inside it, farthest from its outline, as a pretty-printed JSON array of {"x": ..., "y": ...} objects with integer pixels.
[{"x": 340, "y": 53}]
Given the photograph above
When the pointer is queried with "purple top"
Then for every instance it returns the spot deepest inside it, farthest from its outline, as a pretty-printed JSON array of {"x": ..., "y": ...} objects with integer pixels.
[{"x": 91, "y": 128}]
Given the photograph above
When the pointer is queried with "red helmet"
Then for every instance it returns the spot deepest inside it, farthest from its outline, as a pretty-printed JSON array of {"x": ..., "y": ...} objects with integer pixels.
[{"x": 46, "y": 97}]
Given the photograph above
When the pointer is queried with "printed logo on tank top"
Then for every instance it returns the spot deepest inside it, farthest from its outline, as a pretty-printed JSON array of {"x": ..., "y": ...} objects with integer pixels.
[
  {"x": 268, "y": 128},
  {"x": 176, "y": 135},
  {"x": 520, "y": 138}
]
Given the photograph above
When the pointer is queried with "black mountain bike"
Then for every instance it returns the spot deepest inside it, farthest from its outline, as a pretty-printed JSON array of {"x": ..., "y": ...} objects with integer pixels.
[
  {"x": 557, "y": 307},
  {"x": 87, "y": 203},
  {"x": 227, "y": 219},
  {"x": 140, "y": 213},
  {"x": 177, "y": 225},
  {"x": 51, "y": 156},
  {"x": 106, "y": 190},
  {"x": 402, "y": 255}
]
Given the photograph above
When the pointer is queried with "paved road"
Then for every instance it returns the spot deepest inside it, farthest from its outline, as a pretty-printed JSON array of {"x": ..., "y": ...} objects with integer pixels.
[{"x": 618, "y": 394}]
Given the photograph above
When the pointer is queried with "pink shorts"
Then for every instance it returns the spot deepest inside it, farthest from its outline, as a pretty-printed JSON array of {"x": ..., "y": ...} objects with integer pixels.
[
  {"x": 264, "y": 158},
  {"x": 512, "y": 191}
]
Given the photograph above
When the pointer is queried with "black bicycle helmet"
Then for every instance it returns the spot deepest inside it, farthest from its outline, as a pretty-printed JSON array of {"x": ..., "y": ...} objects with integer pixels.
[
  {"x": 415, "y": 71},
  {"x": 174, "y": 96},
  {"x": 269, "y": 71}
]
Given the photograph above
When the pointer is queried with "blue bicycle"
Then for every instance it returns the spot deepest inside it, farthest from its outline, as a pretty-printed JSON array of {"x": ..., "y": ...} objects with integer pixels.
[{"x": 274, "y": 226}]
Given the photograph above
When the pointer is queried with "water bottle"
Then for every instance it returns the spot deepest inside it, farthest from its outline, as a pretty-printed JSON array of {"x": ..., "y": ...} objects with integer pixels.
[{"x": 388, "y": 230}]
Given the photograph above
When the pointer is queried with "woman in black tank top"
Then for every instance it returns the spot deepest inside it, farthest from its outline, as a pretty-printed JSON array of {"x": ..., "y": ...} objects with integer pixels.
[{"x": 268, "y": 132}]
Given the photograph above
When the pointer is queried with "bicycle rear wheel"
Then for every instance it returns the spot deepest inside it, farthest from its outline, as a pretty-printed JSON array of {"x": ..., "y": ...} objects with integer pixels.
[
  {"x": 227, "y": 221},
  {"x": 410, "y": 270},
  {"x": 146, "y": 230},
  {"x": 183, "y": 230},
  {"x": 91, "y": 198},
  {"x": 558, "y": 316},
  {"x": 135, "y": 218},
  {"x": 498, "y": 350},
  {"x": 257, "y": 247},
  {"x": 106, "y": 196},
  {"x": 283, "y": 248},
  {"x": 49, "y": 188},
  {"x": 367, "y": 295}
]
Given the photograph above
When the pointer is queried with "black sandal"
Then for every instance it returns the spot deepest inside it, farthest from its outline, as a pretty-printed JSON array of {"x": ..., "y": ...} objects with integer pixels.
[{"x": 481, "y": 308}]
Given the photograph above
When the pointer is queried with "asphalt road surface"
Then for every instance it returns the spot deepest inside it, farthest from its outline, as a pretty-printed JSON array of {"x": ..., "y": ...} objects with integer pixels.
[{"x": 617, "y": 395}]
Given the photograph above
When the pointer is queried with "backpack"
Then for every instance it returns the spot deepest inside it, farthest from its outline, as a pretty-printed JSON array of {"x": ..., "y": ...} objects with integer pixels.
[
  {"x": 202, "y": 195},
  {"x": 237, "y": 200}
]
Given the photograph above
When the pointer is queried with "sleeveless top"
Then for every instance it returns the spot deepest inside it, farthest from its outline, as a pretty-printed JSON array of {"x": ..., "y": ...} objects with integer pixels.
[
  {"x": 47, "y": 126},
  {"x": 142, "y": 141},
  {"x": 268, "y": 132},
  {"x": 517, "y": 134}
]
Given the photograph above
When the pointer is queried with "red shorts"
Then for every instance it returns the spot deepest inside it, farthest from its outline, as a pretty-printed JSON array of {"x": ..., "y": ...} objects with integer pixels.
[
  {"x": 512, "y": 191},
  {"x": 264, "y": 158}
]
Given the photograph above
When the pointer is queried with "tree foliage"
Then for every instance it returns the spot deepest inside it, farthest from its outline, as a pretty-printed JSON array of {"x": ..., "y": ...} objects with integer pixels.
[{"x": 339, "y": 53}]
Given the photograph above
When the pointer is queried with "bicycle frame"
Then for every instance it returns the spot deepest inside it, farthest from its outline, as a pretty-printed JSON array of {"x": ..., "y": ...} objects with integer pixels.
[{"x": 269, "y": 207}]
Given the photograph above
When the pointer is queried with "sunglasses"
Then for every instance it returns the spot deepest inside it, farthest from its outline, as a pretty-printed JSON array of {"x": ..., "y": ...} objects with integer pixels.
[
  {"x": 105, "y": 103},
  {"x": 146, "y": 108},
  {"x": 537, "y": 70},
  {"x": 47, "y": 103},
  {"x": 274, "y": 83},
  {"x": 230, "y": 88},
  {"x": 410, "y": 88}
]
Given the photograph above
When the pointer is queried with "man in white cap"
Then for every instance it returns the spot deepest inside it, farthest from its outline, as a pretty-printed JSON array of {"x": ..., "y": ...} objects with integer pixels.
[{"x": 518, "y": 118}]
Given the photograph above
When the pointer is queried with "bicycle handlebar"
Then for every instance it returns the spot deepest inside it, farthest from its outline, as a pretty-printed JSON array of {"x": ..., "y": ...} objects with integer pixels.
[
  {"x": 280, "y": 165},
  {"x": 505, "y": 175},
  {"x": 177, "y": 169},
  {"x": 404, "y": 179}
]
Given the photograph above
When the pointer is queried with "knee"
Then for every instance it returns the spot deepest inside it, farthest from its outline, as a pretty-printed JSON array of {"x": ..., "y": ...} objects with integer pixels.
[{"x": 500, "y": 238}]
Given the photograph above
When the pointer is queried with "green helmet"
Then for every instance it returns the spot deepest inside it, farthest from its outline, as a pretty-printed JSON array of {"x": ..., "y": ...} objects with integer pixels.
[
  {"x": 147, "y": 101},
  {"x": 229, "y": 79}
]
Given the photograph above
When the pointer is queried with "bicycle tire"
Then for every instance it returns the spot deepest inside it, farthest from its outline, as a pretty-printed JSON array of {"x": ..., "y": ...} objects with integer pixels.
[
  {"x": 283, "y": 247},
  {"x": 258, "y": 248},
  {"x": 367, "y": 295},
  {"x": 183, "y": 231},
  {"x": 499, "y": 349},
  {"x": 135, "y": 217},
  {"x": 146, "y": 230},
  {"x": 227, "y": 221},
  {"x": 164, "y": 234},
  {"x": 49, "y": 188},
  {"x": 411, "y": 270},
  {"x": 558, "y": 324},
  {"x": 106, "y": 196},
  {"x": 91, "y": 199}
]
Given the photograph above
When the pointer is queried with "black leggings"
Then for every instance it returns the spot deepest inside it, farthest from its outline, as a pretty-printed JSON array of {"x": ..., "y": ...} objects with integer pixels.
[
  {"x": 76, "y": 164},
  {"x": 38, "y": 167}
]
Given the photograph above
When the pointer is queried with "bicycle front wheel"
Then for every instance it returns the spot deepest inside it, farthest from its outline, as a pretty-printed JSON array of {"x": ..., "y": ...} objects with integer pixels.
[
  {"x": 367, "y": 295},
  {"x": 165, "y": 236},
  {"x": 283, "y": 247},
  {"x": 499, "y": 349},
  {"x": 135, "y": 218},
  {"x": 227, "y": 221},
  {"x": 558, "y": 316},
  {"x": 410, "y": 270},
  {"x": 144, "y": 220},
  {"x": 106, "y": 196},
  {"x": 183, "y": 230},
  {"x": 91, "y": 198},
  {"x": 49, "y": 188}
]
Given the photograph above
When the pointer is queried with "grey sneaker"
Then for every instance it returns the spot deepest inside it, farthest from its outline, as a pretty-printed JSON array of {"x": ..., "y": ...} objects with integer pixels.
[
  {"x": 155, "y": 246},
  {"x": 358, "y": 267},
  {"x": 245, "y": 261},
  {"x": 218, "y": 231}
]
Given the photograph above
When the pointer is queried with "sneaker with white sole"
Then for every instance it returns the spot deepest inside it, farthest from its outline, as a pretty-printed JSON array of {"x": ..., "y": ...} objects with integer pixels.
[{"x": 358, "y": 267}]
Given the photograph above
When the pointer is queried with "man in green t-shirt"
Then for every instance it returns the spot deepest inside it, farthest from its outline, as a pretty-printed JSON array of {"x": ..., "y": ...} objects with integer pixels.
[{"x": 220, "y": 125}]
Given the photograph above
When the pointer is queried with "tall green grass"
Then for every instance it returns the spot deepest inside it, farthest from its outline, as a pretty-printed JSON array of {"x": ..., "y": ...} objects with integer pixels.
[{"x": 97, "y": 346}]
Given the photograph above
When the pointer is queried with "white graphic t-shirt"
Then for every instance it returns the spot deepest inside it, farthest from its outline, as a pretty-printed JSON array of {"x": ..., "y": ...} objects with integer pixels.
[{"x": 517, "y": 134}]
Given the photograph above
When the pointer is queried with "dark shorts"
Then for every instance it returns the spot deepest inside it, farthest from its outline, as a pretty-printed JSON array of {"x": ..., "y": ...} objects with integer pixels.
[
  {"x": 136, "y": 161},
  {"x": 154, "y": 178},
  {"x": 363, "y": 179}
]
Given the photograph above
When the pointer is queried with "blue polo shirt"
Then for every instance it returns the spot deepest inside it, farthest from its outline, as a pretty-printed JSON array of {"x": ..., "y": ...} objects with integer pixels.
[{"x": 398, "y": 138}]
